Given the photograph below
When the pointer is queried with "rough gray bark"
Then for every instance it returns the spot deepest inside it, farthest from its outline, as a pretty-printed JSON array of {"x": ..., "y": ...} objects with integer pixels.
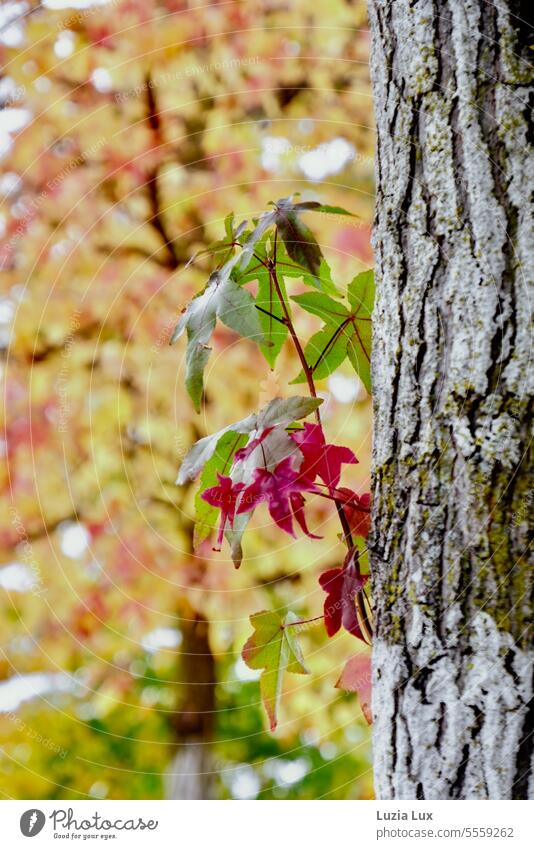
[{"x": 453, "y": 656}]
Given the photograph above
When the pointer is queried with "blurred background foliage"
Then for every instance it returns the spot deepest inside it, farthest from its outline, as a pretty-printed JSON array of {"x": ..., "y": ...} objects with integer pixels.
[{"x": 128, "y": 131}]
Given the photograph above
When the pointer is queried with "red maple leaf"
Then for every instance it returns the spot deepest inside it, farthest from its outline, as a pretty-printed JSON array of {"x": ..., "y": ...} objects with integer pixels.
[
  {"x": 342, "y": 586},
  {"x": 356, "y": 678},
  {"x": 224, "y": 496},
  {"x": 320, "y": 457},
  {"x": 357, "y": 509},
  {"x": 282, "y": 490},
  {"x": 297, "y": 504}
]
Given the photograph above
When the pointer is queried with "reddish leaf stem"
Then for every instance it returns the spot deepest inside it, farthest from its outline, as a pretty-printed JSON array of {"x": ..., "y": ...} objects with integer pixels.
[
  {"x": 303, "y": 622},
  {"x": 308, "y": 372}
]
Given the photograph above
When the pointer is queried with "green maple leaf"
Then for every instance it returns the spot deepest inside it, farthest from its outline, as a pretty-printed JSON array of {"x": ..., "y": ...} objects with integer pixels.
[
  {"x": 273, "y": 327},
  {"x": 324, "y": 352},
  {"x": 222, "y": 298},
  {"x": 361, "y": 295},
  {"x": 322, "y": 305},
  {"x": 346, "y": 331},
  {"x": 274, "y": 649}
]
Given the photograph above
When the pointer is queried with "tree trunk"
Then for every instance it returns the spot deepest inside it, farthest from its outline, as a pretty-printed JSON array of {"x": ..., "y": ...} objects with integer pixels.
[
  {"x": 192, "y": 772},
  {"x": 453, "y": 659}
]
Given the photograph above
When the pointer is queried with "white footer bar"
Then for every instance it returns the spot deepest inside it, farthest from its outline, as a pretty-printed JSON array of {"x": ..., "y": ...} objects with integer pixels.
[{"x": 257, "y": 825}]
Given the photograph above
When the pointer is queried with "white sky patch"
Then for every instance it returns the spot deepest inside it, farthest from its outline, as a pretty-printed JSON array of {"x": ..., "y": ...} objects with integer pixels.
[
  {"x": 346, "y": 389},
  {"x": 6, "y": 143},
  {"x": 73, "y": 4},
  {"x": 328, "y": 751},
  {"x": 61, "y": 248},
  {"x": 17, "y": 577},
  {"x": 244, "y": 673},
  {"x": 273, "y": 149},
  {"x": 18, "y": 292},
  {"x": 22, "y": 688},
  {"x": 99, "y": 790},
  {"x": 306, "y": 125},
  {"x": 10, "y": 183},
  {"x": 42, "y": 84},
  {"x": 310, "y": 737},
  {"x": 327, "y": 159},
  {"x": 355, "y": 733},
  {"x": 286, "y": 772},
  {"x": 11, "y": 121},
  {"x": 11, "y": 30},
  {"x": 161, "y": 638},
  {"x": 9, "y": 90},
  {"x": 74, "y": 539},
  {"x": 64, "y": 44},
  {"x": 7, "y": 311},
  {"x": 101, "y": 80},
  {"x": 244, "y": 783}
]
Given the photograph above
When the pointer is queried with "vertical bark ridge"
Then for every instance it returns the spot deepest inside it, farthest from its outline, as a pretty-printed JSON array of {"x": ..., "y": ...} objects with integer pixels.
[{"x": 453, "y": 381}]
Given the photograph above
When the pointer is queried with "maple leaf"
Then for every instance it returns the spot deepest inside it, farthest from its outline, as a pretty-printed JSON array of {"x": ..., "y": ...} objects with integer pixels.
[
  {"x": 245, "y": 452},
  {"x": 221, "y": 461},
  {"x": 324, "y": 352},
  {"x": 234, "y": 536},
  {"x": 346, "y": 332},
  {"x": 222, "y": 298},
  {"x": 278, "y": 489},
  {"x": 342, "y": 586},
  {"x": 299, "y": 241},
  {"x": 361, "y": 295},
  {"x": 271, "y": 310},
  {"x": 274, "y": 649},
  {"x": 265, "y": 450},
  {"x": 224, "y": 496},
  {"x": 320, "y": 457},
  {"x": 271, "y": 314},
  {"x": 356, "y": 678},
  {"x": 296, "y": 499},
  {"x": 357, "y": 509},
  {"x": 279, "y": 411},
  {"x": 272, "y": 445}
]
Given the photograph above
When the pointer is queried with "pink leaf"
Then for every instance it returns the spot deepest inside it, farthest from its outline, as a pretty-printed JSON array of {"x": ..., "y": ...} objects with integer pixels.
[
  {"x": 356, "y": 678},
  {"x": 224, "y": 496},
  {"x": 277, "y": 489}
]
